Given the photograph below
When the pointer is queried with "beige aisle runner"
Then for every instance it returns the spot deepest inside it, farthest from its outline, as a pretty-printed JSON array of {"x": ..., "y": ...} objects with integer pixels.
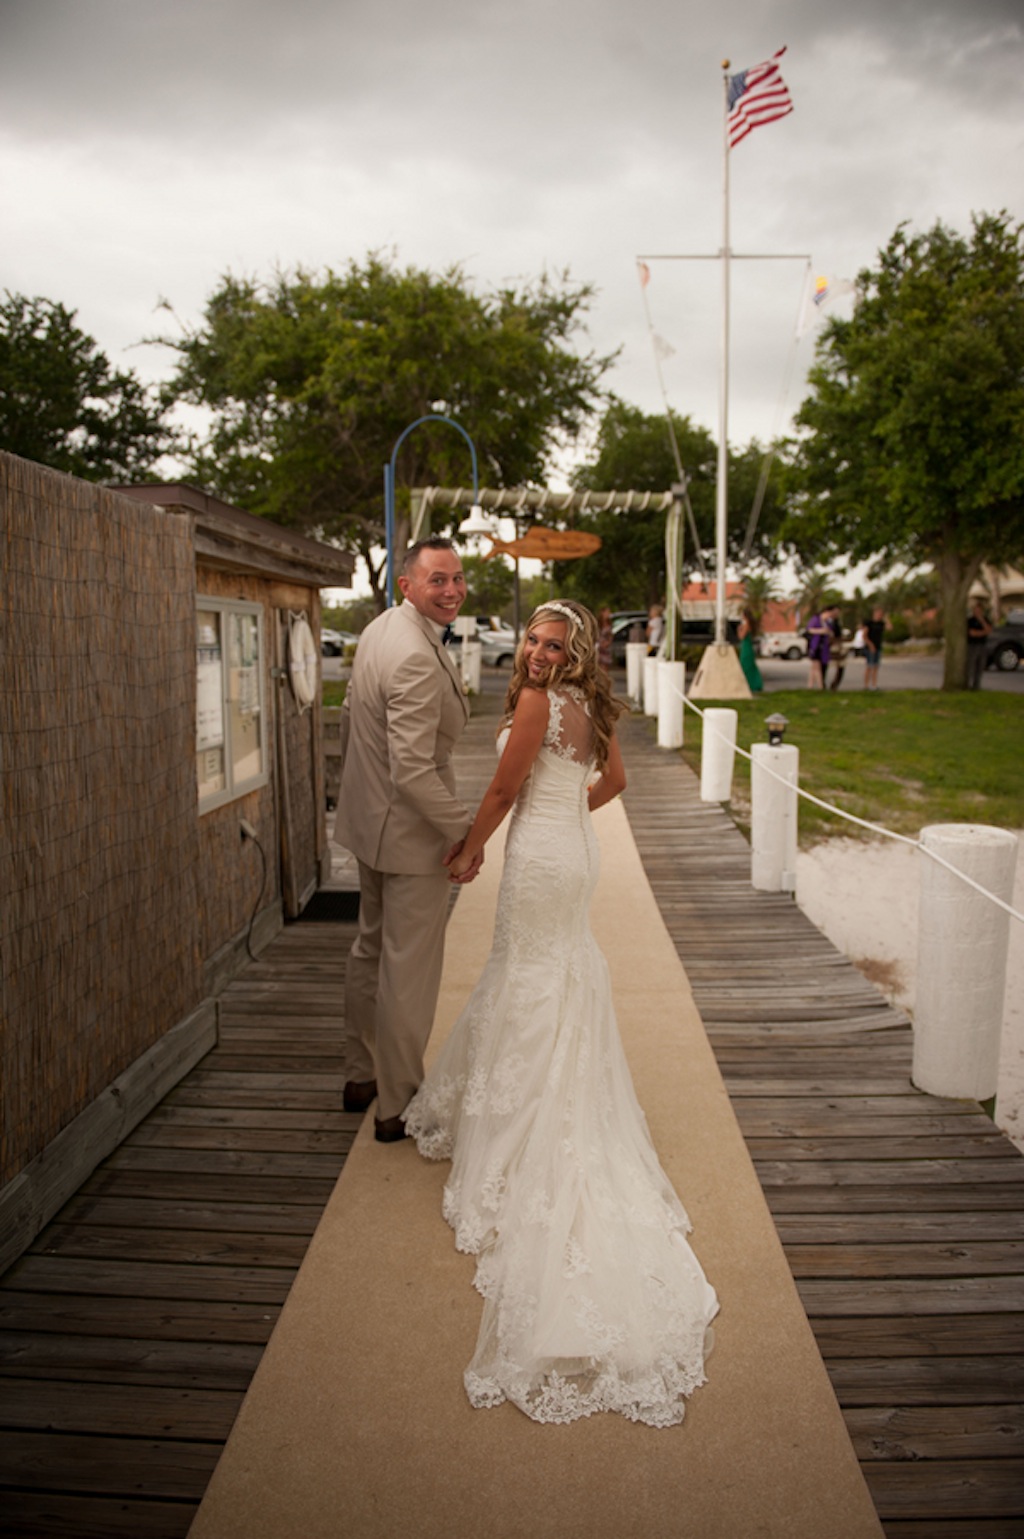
[{"x": 357, "y": 1422}]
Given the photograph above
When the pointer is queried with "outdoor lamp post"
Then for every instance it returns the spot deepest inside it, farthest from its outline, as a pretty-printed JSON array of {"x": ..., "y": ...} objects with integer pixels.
[
  {"x": 474, "y": 524},
  {"x": 776, "y": 724}
]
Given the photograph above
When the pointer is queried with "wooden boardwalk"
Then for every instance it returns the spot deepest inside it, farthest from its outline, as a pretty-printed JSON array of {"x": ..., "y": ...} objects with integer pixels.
[
  {"x": 131, "y": 1329},
  {"x": 902, "y": 1216}
]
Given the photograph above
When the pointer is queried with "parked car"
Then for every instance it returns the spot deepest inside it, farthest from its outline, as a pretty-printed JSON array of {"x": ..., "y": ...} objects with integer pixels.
[
  {"x": 333, "y": 643},
  {"x": 693, "y": 633},
  {"x": 499, "y": 647},
  {"x": 498, "y": 642},
  {"x": 1006, "y": 643},
  {"x": 791, "y": 645}
]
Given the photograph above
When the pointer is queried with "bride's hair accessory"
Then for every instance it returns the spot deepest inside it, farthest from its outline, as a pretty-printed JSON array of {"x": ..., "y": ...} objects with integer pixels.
[{"x": 562, "y": 609}]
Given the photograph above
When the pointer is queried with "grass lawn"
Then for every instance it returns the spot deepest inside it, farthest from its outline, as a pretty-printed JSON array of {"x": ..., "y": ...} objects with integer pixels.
[{"x": 902, "y": 758}]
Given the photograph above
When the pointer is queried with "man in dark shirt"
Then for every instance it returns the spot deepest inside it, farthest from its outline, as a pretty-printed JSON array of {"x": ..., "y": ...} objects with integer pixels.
[
  {"x": 874, "y": 632},
  {"x": 978, "y": 631}
]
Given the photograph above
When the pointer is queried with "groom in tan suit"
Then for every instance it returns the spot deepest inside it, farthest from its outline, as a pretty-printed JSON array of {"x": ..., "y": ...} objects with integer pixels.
[{"x": 400, "y": 817}]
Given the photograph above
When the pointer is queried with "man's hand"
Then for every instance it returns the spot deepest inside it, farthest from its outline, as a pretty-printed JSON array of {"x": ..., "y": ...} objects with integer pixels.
[{"x": 462, "y": 869}]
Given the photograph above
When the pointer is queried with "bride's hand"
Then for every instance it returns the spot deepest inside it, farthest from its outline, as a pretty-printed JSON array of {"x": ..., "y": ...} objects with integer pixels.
[{"x": 463, "y": 868}]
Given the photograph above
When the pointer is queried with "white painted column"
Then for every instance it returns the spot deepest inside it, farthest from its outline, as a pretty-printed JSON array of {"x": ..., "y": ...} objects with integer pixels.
[
  {"x": 636, "y": 655},
  {"x": 962, "y": 947},
  {"x": 717, "y": 754},
  {"x": 650, "y": 686},
  {"x": 671, "y": 686},
  {"x": 773, "y": 816}
]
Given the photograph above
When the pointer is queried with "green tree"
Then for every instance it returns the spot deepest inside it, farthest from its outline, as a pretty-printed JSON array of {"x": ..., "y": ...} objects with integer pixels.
[
  {"x": 633, "y": 452},
  {"x": 62, "y": 405},
  {"x": 490, "y": 585},
  {"x": 913, "y": 442},
  {"x": 312, "y": 379}
]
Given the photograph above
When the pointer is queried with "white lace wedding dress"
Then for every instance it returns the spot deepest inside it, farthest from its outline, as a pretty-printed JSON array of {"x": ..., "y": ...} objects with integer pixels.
[{"x": 594, "y": 1300}]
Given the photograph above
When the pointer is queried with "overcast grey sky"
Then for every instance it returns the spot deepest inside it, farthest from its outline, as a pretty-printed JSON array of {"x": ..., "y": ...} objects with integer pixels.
[{"x": 146, "y": 148}]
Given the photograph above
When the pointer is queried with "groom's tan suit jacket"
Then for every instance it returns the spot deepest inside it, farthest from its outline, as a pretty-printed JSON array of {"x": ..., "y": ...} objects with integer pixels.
[{"x": 405, "y": 711}]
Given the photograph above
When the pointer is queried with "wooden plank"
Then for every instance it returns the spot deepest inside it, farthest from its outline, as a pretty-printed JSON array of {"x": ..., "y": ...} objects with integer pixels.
[
  {"x": 168, "y": 1135},
  {"x": 919, "y": 1146},
  {"x": 916, "y": 1336},
  {"x": 127, "y": 1361},
  {"x": 204, "y": 1247},
  {"x": 53, "y": 1515},
  {"x": 979, "y": 1258},
  {"x": 929, "y": 1380},
  {"x": 957, "y": 1488},
  {"x": 904, "y": 1197},
  {"x": 172, "y": 1183},
  {"x": 161, "y": 1468},
  {"x": 129, "y": 1279},
  {"x": 226, "y": 1162},
  {"x": 47, "y": 1405},
  {"x": 158, "y": 1318},
  {"x": 318, "y": 1119},
  {"x": 888, "y": 1173},
  {"x": 222, "y": 1217},
  {"x": 936, "y": 1432},
  {"x": 918, "y": 1296},
  {"x": 953, "y": 1528},
  {"x": 846, "y": 1228}
]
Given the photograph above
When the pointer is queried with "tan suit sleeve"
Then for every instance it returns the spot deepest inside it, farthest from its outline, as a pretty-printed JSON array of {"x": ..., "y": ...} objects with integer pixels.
[{"x": 417, "y": 692}]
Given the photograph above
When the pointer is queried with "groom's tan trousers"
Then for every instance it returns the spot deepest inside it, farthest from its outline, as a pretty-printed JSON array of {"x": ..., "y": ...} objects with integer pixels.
[{"x": 392, "y": 982}]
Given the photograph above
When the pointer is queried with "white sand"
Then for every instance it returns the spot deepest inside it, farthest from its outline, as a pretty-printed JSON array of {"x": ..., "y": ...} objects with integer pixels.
[{"x": 864, "y": 896}]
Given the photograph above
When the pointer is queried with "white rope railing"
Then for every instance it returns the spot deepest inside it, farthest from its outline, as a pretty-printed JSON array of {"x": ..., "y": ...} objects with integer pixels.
[{"x": 875, "y": 828}]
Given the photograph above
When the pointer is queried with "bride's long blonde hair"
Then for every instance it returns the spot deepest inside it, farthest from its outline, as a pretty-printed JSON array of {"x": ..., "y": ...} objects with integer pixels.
[{"x": 580, "y": 670}]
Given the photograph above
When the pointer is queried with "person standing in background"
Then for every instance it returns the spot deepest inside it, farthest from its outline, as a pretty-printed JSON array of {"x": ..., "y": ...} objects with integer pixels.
[
  {"x": 874, "y": 634},
  {"x": 837, "y": 647},
  {"x": 819, "y": 634},
  {"x": 655, "y": 628},
  {"x": 748, "y": 632},
  {"x": 979, "y": 629}
]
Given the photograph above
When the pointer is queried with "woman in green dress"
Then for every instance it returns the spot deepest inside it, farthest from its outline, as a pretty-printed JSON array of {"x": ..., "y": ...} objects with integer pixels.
[{"x": 749, "y": 627}]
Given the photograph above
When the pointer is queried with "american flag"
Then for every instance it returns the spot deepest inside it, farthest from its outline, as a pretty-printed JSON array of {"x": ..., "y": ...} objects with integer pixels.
[{"x": 755, "y": 96}]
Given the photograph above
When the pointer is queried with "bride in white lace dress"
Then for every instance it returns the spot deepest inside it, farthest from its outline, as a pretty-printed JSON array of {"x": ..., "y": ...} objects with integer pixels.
[{"x": 594, "y": 1300}]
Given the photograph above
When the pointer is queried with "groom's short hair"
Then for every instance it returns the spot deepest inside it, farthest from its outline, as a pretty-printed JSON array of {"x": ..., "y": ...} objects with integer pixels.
[{"x": 432, "y": 542}]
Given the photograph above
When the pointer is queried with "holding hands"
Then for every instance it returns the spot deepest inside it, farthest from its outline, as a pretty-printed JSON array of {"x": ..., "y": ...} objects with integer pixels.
[{"x": 462, "y": 868}]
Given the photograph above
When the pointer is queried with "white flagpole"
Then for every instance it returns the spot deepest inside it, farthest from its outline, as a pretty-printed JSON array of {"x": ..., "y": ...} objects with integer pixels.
[{"x": 722, "y": 490}]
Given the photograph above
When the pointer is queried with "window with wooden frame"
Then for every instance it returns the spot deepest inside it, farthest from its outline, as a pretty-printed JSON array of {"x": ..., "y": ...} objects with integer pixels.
[{"x": 231, "y": 738}]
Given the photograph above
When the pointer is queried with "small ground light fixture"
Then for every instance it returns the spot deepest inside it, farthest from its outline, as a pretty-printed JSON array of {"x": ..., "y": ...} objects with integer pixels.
[{"x": 776, "y": 724}]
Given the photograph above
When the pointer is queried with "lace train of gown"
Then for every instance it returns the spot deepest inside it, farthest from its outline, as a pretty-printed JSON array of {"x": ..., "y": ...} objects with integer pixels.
[{"x": 594, "y": 1300}]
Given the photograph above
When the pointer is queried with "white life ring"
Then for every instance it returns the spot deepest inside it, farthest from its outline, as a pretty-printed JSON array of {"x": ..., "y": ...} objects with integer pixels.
[{"x": 303, "y": 663}]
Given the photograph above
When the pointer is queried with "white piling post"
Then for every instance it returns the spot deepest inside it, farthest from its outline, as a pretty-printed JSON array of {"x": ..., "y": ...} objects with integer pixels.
[
  {"x": 472, "y": 653},
  {"x": 773, "y": 816},
  {"x": 636, "y": 656},
  {"x": 717, "y": 754},
  {"x": 650, "y": 686},
  {"x": 671, "y": 688},
  {"x": 962, "y": 947}
]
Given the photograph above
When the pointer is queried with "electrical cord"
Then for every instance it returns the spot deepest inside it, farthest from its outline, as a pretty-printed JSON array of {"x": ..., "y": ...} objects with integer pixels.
[{"x": 248, "y": 832}]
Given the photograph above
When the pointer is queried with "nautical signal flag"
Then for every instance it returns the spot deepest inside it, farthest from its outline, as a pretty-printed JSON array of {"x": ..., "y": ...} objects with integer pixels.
[
  {"x": 756, "y": 96},
  {"x": 819, "y": 293}
]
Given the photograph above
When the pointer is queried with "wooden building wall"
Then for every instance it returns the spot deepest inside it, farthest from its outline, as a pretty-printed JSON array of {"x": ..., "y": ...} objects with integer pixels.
[{"x": 100, "y": 894}]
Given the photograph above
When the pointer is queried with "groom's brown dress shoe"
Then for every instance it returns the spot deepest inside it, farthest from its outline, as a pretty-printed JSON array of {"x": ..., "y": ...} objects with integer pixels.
[
  {"x": 388, "y": 1130},
  {"x": 358, "y": 1095}
]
